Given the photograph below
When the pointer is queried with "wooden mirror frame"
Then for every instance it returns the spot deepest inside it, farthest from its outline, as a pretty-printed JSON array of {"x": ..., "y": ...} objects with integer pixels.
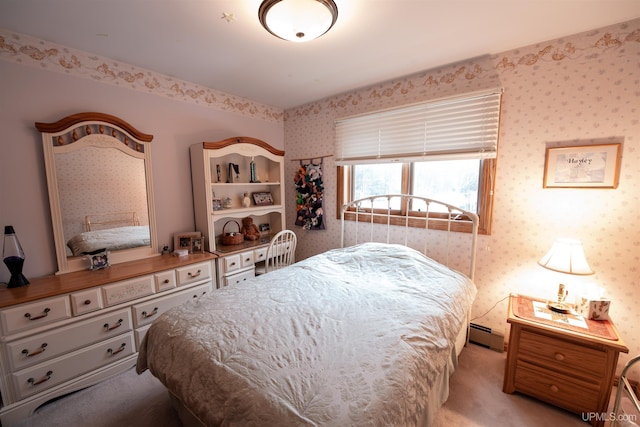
[{"x": 72, "y": 129}]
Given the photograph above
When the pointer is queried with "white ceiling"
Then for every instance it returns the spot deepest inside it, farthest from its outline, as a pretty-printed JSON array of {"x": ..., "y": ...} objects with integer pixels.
[{"x": 372, "y": 41}]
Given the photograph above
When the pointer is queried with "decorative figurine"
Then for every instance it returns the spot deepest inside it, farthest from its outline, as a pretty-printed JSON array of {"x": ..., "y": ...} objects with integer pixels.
[{"x": 246, "y": 200}]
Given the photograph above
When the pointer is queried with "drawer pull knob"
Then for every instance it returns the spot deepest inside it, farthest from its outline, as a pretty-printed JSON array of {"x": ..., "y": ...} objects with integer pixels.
[
  {"x": 166, "y": 281},
  {"x": 559, "y": 356},
  {"x": 146, "y": 315},
  {"x": 47, "y": 377},
  {"x": 35, "y": 353},
  {"x": 196, "y": 274},
  {"x": 45, "y": 313},
  {"x": 113, "y": 353},
  {"x": 554, "y": 388},
  {"x": 87, "y": 302},
  {"x": 107, "y": 327}
]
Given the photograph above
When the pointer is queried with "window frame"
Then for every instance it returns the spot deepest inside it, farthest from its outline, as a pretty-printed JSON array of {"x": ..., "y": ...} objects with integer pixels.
[{"x": 486, "y": 185}]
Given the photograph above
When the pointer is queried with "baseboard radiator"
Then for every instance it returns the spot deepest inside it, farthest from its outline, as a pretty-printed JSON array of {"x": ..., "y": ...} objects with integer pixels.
[{"x": 485, "y": 337}]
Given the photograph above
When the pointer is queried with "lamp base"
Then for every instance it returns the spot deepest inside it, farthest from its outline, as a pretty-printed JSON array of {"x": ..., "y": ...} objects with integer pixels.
[{"x": 559, "y": 307}]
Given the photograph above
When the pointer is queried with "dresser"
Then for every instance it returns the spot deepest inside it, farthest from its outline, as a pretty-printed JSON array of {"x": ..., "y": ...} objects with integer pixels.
[
  {"x": 223, "y": 173},
  {"x": 63, "y": 333},
  {"x": 561, "y": 365}
]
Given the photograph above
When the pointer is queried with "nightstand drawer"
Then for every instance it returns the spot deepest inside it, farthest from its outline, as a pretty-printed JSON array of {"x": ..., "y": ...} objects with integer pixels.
[
  {"x": 562, "y": 355},
  {"x": 558, "y": 389}
]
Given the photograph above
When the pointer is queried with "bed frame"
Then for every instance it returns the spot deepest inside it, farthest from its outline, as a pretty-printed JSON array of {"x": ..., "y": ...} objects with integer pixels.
[
  {"x": 625, "y": 389},
  {"x": 110, "y": 220},
  {"x": 361, "y": 210}
]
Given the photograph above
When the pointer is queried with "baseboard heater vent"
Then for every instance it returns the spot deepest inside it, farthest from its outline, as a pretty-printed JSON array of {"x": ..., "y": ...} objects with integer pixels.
[{"x": 485, "y": 337}]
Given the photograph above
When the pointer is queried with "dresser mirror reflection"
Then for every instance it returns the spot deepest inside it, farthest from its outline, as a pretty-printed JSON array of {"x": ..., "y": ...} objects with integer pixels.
[{"x": 99, "y": 180}]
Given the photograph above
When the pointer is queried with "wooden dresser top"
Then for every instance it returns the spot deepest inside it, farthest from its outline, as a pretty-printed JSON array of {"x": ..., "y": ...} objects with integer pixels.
[{"x": 49, "y": 286}]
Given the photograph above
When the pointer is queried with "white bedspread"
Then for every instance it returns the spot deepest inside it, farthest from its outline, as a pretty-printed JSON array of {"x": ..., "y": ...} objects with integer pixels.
[
  {"x": 113, "y": 239},
  {"x": 351, "y": 337}
]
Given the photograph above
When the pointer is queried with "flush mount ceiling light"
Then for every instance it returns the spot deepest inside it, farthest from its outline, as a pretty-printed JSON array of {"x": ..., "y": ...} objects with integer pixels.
[{"x": 298, "y": 20}]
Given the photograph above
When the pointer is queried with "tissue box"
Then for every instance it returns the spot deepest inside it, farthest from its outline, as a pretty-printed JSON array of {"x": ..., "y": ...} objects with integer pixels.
[
  {"x": 181, "y": 252},
  {"x": 599, "y": 310}
]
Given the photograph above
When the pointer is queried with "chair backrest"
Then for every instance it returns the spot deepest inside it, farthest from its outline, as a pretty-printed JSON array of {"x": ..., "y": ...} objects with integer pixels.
[{"x": 281, "y": 251}]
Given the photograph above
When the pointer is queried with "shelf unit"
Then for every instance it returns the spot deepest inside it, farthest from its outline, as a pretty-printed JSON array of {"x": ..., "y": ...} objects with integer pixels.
[{"x": 210, "y": 175}]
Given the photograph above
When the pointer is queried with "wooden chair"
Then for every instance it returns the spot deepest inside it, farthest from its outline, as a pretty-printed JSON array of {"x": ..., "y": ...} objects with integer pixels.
[{"x": 281, "y": 252}]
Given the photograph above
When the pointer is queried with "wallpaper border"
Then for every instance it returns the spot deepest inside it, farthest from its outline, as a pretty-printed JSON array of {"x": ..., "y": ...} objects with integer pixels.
[{"x": 27, "y": 50}]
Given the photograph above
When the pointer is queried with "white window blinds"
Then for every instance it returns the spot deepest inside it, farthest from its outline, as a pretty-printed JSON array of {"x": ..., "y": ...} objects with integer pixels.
[{"x": 460, "y": 127}]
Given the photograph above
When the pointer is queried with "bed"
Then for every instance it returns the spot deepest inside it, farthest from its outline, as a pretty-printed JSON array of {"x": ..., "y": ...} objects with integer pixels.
[
  {"x": 364, "y": 335},
  {"x": 112, "y": 231}
]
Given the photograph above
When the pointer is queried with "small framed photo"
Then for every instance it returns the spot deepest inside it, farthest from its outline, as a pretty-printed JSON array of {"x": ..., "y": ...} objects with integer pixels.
[
  {"x": 586, "y": 166},
  {"x": 197, "y": 245},
  {"x": 98, "y": 259},
  {"x": 262, "y": 198},
  {"x": 264, "y": 228},
  {"x": 216, "y": 204},
  {"x": 183, "y": 240}
]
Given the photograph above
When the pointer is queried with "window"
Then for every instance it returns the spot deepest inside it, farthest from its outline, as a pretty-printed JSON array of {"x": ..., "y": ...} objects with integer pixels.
[{"x": 444, "y": 150}]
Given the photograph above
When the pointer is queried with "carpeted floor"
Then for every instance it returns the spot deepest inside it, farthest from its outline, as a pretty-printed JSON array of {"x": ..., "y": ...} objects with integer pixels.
[{"x": 476, "y": 399}]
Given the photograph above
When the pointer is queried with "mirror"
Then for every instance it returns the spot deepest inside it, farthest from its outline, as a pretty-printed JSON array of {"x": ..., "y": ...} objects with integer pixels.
[{"x": 100, "y": 189}]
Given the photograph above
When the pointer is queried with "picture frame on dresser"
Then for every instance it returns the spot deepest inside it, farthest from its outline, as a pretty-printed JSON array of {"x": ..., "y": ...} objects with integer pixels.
[
  {"x": 98, "y": 259},
  {"x": 197, "y": 245},
  {"x": 183, "y": 240}
]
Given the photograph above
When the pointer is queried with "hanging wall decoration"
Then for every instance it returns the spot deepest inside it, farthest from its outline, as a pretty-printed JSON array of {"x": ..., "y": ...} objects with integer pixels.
[{"x": 309, "y": 196}]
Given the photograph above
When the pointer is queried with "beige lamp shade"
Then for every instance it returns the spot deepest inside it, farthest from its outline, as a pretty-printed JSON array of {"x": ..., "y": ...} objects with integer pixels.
[{"x": 566, "y": 256}]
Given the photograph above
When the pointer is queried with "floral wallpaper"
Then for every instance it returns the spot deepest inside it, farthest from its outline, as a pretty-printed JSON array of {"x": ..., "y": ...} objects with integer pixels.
[{"x": 576, "y": 90}]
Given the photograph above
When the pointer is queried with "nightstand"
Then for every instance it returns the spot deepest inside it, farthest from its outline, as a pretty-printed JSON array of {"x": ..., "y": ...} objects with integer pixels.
[{"x": 559, "y": 361}]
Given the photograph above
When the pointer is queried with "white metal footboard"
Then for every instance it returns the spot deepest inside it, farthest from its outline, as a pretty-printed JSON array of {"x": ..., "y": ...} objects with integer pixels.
[{"x": 365, "y": 208}]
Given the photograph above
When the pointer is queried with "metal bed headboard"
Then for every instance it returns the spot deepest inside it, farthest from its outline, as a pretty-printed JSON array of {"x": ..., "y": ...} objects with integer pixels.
[
  {"x": 453, "y": 214},
  {"x": 110, "y": 220}
]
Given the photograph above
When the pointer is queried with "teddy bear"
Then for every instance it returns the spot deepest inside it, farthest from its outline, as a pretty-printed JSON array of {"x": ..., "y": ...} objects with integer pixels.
[{"x": 249, "y": 229}]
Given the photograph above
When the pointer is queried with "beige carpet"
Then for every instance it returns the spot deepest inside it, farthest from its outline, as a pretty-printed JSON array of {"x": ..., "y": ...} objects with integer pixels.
[{"x": 476, "y": 399}]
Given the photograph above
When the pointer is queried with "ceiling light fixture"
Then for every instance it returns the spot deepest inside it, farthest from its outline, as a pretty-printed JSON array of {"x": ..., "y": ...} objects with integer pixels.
[{"x": 298, "y": 20}]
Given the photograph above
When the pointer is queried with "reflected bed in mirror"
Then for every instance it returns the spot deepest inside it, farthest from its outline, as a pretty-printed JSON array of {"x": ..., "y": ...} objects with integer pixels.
[
  {"x": 99, "y": 180},
  {"x": 113, "y": 232}
]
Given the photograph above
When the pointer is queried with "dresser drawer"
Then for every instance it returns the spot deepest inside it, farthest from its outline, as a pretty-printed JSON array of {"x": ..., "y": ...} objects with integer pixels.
[
  {"x": 230, "y": 263},
  {"x": 194, "y": 273},
  {"x": 45, "y": 346},
  {"x": 234, "y": 279},
  {"x": 165, "y": 280},
  {"x": 247, "y": 259},
  {"x": 562, "y": 355},
  {"x": 46, "y": 375},
  {"x": 147, "y": 312},
  {"x": 561, "y": 390},
  {"x": 35, "y": 314},
  {"x": 86, "y": 301},
  {"x": 260, "y": 254},
  {"x": 128, "y": 290}
]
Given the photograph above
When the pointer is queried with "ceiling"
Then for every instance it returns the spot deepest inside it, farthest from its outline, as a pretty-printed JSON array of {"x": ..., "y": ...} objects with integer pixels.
[{"x": 372, "y": 41}]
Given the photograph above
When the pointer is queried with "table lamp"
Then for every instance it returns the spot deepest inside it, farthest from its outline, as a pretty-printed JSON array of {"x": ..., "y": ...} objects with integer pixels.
[
  {"x": 13, "y": 257},
  {"x": 565, "y": 256}
]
